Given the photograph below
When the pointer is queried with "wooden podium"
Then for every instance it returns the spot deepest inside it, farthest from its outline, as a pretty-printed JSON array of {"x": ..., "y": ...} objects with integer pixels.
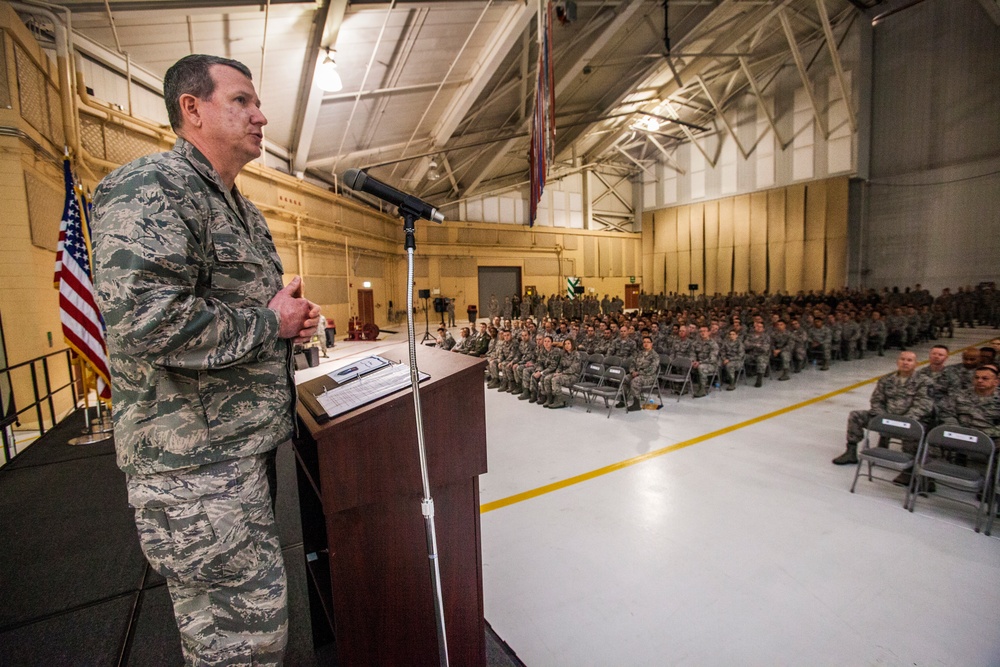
[{"x": 363, "y": 530}]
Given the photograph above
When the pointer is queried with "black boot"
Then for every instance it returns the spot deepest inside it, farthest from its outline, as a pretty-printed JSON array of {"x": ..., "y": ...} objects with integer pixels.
[
  {"x": 848, "y": 457},
  {"x": 760, "y": 380},
  {"x": 635, "y": 405},
  {"x": 784, "y": 375}
]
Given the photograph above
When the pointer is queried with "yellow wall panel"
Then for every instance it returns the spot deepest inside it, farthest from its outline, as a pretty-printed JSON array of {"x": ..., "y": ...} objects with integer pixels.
[
  {"x": 836, "y": 208},
  {"x": 711, "y": 271},
  {"x": 683, "y": 229},
  {"x": 776, "y": 267},
  {"x": 741, "y": 220},
  {"x": 836, "y": 263},
  {"x": 812, "y": 265},
  {"x": 741, "y": 268},
  {"x": 795, "y": 213},
  {"x": 648, "y": 232},
  {"x": 697, "y": 226},
  {"x": 663, "y": 230},
  {"x": 683, "y": 271},
  {"x": 654, "y": 276},
  {"x": 724, "y": 270},
  {"x": 776, "y": 216},
  {"x": 816, "y": 211},
  {"x": 712, "y": 224},
  {"x": 758, "y": 268},
  {"x": 670, "y": 285},
  {"x": 698, "y": 268},
  {"x": 758, "y": 218},
  {"x": 793, "y": 266},
  {"x": 726, "y": 223}
]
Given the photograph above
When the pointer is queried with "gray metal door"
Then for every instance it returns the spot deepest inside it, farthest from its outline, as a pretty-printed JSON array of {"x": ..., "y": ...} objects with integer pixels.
[{"x": 501, "y": 281}]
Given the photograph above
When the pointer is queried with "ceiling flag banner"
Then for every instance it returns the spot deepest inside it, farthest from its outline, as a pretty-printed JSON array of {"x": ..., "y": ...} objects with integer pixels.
[
  {"x": 82, "y": 326},
  {"x": 543, "y": 117}
]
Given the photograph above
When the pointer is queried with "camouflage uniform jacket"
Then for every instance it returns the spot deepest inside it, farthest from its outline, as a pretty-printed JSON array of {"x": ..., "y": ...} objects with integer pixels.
[
  {"x": 550, "y": 363},
  {"x": 622, "y": 347},
  {"x": 447, "y": 341},
  {"x": 525, "y": 351},
  {"x": 733, "y": 351},
  {"x": 184, "y": 271},
  {"x": 757, "y": 344},
  {"x": 969, "y": 409},
  {"x": 647, "y": 365},
  {"x": 682, "y": 347},
  {"x": 819, "y": 336},
  {"x": 781, "y": 340},
  {"x": 959, "y": 378},
  {"x": 897, "y": 395},
  {"x": 570, "y": 363},
  {"x": 706, "y": 351}
]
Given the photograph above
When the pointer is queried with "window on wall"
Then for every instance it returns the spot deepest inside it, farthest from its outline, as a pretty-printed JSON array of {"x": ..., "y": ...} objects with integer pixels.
[
  {"x": 803, "y": 145},
  {"x": 840, "y": 143},
  {"x": 765, "y": 146},
  {"x": 669, "y": 185}
]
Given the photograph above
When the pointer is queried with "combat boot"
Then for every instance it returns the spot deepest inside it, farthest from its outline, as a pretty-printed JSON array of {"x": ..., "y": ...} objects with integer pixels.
[
  {"x": 492, "y": 384},
  {"x": 559, "y": 403},
  {"x": 825, "y": 366},
  {"x": 848, "y": 457},
  {"x": 525, "y": 395},
  {"x": 760, "y": 381},
  {"x": 797, "y": 366},
  {"x": 534, "y": 396},
  {"x": 699, "y": 392},
  {"x": 635, "y": 405},
  {"x": 784, "y": 375}
]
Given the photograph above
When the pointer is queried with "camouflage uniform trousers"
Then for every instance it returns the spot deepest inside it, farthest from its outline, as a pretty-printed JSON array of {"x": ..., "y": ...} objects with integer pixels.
[
  {"x": 553, "y": 383},
  {"x": 210, "y": 532},
  {"x": 857, "y": 422},
  {"x": 634, "y": 387},
  {"x": 784, "y": 358},
  {"x": 823, "y": 348},
  {"x": 756, "y": 362}
]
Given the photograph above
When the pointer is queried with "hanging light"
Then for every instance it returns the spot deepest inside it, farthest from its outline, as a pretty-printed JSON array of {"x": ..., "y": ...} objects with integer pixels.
[
  {"x": 327, "y": 76},
  {"x": 652, "y": 124},
  {"x": 432, "y": 170}
]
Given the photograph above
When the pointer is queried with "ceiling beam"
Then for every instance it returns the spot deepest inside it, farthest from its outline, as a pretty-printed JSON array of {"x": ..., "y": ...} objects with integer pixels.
[
  {"x": 837, "y": 66},
  {"x": 725, "y": 121},
  {"x": 803, "y": 74},
  {"x": 329, "y": 19},
  {"x": 514, "y": 22}
]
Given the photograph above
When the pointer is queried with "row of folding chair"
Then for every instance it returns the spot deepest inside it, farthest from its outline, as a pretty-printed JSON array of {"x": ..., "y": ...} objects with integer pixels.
[
  {"x": 931, "y": 460},
  {"x": 601, "y": 381}
]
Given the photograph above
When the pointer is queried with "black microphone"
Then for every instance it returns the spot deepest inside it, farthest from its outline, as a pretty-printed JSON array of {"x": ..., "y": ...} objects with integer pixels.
[{"x": 362, "y": 182}]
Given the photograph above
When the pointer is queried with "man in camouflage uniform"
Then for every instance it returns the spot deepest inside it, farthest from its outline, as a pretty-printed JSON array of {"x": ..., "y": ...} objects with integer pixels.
[
  {"x": 781, "y": 347},
  {"x": 731, "y": 356},
  {"x": 642, "y": 377},
  {"x": 978, "y": 406},
  {"x": 820, "y": 337},
  {"x": 501, "y": 354},
  {"x": 757, "y": 346},
  {"x": 904, "y": 393},
  {"x": 200, "y": 335},
  {"x": 624, "y": 347},
  {"x": 566, "y": 373},
  {"x": 445, "y": 340},
  {"x": 525, "y": 355},
  {"x": 959, "y": 376},
  {"x": 705, "y": 361},
  {"x": 799, "y": 341},
  {"x": 878, "y": 331}
]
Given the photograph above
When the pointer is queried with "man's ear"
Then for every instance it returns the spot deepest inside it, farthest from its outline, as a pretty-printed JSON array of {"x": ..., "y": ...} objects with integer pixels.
[{"x": 190, "y": 110}]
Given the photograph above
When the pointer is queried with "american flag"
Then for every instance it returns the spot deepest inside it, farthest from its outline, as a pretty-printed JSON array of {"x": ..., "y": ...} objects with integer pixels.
[
  {"x": 83, "y": 328},
  {"x": 543, "y": 119}
]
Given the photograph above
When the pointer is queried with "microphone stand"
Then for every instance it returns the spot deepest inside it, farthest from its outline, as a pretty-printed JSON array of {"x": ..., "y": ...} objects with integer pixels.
[{"x": 427, "y": 503}]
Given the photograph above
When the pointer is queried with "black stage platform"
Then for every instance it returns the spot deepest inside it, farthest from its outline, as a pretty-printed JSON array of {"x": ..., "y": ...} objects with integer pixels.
[{"x": 75, "y": 587}]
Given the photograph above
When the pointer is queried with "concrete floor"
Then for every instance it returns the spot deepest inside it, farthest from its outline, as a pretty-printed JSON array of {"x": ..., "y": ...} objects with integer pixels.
[{"x": 716, "y": 532}]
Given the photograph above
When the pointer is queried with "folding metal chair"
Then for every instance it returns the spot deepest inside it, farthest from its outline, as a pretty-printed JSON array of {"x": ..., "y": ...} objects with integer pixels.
[
  {"x": 612, "y": 360},
  {"x": 679, "y": 372},
  {"x": 957, "y": 440},
  {"x": 612, "y": 387},
  {"x": 890, "y": 426},
  {"x": 593, "y": 373}
]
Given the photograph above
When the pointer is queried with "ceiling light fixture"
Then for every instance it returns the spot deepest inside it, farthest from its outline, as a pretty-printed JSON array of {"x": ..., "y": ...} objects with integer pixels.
[
  {"x": 432, "y": 171},
  {"x": 327, "y": 76}
]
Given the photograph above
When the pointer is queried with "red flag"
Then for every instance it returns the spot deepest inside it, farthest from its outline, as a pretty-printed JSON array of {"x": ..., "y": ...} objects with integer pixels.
[{"x": 83, "y": 328}]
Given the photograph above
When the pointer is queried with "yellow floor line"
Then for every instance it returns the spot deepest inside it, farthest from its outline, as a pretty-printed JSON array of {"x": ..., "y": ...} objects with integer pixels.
[{"x": 583, "y": 477}]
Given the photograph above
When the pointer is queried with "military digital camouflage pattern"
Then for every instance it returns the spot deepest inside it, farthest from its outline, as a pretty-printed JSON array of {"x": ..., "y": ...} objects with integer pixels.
[
  {"x": 820, "y": 340},
  {"x": 893, "y": 395},
  {"x": 568, "y": 372},
  {"x": 210, "y": 532},
  {"x": 646, "y": 366},
  {"x": 184, "y": 270},
  {"x": 757, "y": 348},
  {"x": 969, "y": 409}
]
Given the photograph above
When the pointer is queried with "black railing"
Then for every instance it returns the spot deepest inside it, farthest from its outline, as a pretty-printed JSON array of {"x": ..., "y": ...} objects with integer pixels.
[{"x": 44, "y": 393}]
